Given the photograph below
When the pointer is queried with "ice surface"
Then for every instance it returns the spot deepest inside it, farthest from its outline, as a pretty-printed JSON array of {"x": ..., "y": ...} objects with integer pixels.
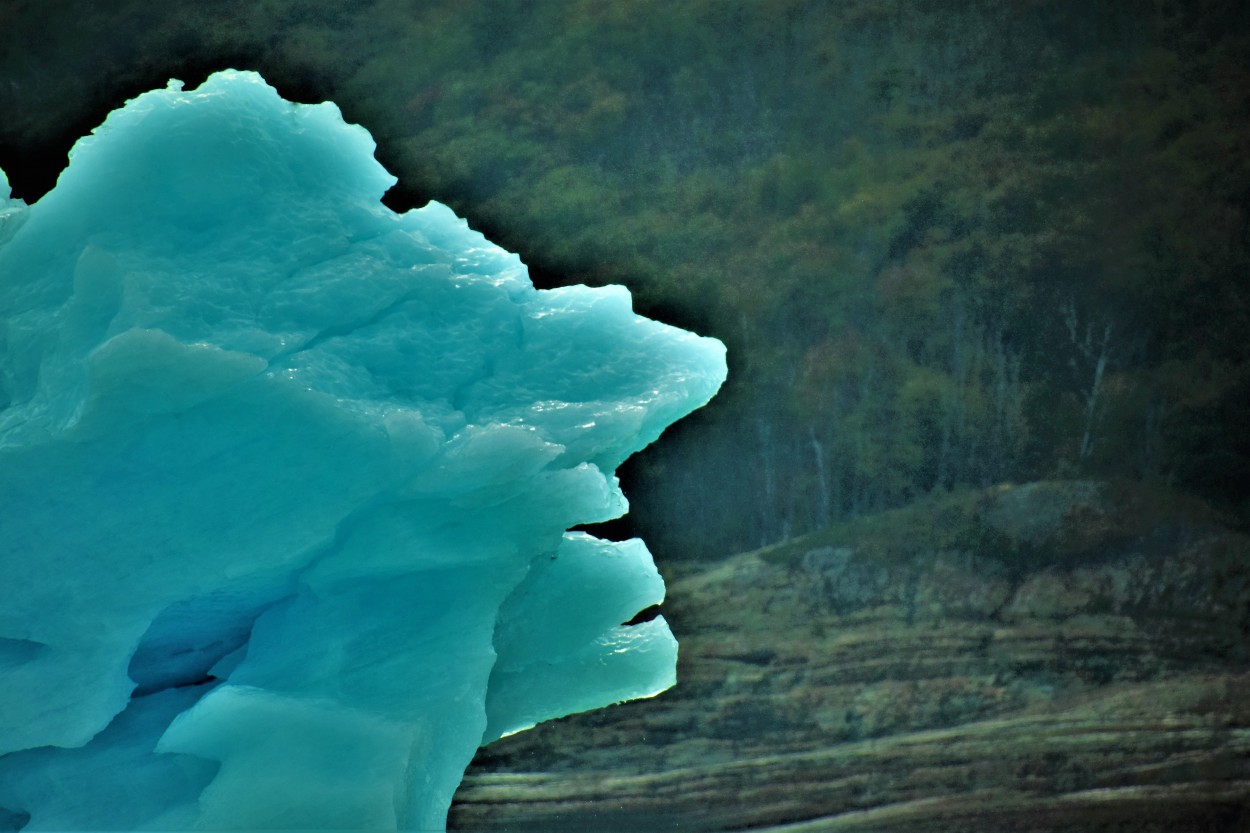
[{"x": 285, "y": 479}]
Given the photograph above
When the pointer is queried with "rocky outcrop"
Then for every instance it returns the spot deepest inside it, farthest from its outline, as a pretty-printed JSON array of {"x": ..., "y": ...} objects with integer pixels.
[{"x": 1056, "y": 656}]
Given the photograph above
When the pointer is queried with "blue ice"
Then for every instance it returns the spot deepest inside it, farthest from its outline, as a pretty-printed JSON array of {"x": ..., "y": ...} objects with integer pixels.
[{"x": 285, "y": 479}]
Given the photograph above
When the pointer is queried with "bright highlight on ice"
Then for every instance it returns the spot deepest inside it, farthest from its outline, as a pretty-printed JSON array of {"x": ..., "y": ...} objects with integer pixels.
[{"x": 285, "y": 479}]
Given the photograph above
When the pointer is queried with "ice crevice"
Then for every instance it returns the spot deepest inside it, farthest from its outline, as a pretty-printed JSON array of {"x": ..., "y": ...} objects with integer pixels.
[{"x": 344, "y": 329}]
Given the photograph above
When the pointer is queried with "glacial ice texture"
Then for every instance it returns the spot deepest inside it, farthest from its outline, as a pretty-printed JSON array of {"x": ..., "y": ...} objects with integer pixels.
[{"x": 285, "y": 479}]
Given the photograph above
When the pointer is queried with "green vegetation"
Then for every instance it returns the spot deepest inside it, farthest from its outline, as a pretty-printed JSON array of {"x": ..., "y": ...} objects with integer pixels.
[
  {"x": 1026, "y": 527},
  {"x": 942, "y": 523},
  {"x": 949, "y": 244}
]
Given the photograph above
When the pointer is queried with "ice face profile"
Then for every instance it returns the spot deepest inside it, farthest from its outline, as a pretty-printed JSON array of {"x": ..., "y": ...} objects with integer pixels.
[{"x": 285, "y": 479}]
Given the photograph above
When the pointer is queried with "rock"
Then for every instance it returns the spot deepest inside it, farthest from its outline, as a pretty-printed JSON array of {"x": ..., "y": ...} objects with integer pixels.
[{"x": 1052, "y": 656}]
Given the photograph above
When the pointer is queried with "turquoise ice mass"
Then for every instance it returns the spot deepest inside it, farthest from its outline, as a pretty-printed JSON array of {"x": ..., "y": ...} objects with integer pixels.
[{"x": 286, "y": 479}]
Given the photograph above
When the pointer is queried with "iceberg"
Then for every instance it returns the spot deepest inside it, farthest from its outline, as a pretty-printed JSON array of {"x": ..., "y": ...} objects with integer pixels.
[{"x": 286, "y": 479}]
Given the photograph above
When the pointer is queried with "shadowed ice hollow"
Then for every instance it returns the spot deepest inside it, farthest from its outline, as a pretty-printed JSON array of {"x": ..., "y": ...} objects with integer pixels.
[{"x": 285, "y": 479}]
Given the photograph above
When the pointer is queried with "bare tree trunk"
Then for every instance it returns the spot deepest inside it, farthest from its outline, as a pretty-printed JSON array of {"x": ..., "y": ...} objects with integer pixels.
[
  {"x": 973, "y": 443},
  {"x": 1007, "y": 407},
  {"x": 1097, "y": 354},
  {"x": 953, "y": 399},
  {"x": 821, "y": 516},
  {"x": 769, "y": 510},
  {"x": 1091, "y": 399}
]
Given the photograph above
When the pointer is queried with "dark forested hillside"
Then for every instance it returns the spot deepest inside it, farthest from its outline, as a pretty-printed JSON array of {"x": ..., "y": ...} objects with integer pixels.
[{"x": 947, "y": 243}]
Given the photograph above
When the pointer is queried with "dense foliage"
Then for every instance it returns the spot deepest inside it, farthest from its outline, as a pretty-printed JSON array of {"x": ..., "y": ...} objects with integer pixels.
[{"x": 948, "y": 243}]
